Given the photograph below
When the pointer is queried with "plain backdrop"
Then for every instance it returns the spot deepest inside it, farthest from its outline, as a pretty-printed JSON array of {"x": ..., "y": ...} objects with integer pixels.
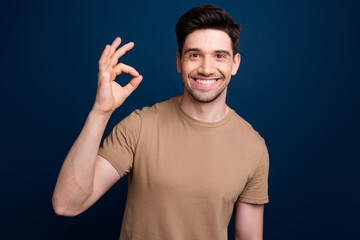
[{"x": 298, "y": 85}]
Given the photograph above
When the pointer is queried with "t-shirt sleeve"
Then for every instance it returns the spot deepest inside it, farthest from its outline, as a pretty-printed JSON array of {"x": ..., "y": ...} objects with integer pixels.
[
  {"x": 119, "y": 146},
  {"x": 256, "y": 189}
]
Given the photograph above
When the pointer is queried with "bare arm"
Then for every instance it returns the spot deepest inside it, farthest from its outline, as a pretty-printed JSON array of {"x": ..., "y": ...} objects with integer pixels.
[
  {"x": 85, "y": 176},
  {"x": 248, "y": 221}
]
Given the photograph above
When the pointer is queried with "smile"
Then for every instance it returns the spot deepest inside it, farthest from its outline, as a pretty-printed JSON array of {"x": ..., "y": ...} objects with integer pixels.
[{"x": 205, "y": 82}]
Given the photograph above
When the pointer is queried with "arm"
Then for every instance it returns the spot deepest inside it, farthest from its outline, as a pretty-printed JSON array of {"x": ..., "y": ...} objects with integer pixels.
[
  {"x": 248, "y": 221},
  {"x": 86, "y": 176}
]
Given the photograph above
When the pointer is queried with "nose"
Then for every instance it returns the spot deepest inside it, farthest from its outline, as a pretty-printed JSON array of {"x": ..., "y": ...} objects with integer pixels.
[{"x": 206, "y": 67}]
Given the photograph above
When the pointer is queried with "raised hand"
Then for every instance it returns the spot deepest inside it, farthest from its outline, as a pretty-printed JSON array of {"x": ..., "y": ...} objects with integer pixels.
[{"x": 110, "y": 95}]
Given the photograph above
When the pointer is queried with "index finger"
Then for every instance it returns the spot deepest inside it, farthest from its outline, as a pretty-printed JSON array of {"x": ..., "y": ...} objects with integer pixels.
[{"x": 126, "y": 69}]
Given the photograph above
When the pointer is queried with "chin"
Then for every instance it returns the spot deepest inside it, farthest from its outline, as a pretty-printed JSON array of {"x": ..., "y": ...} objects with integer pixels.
[{"x": 203, "y": 98}]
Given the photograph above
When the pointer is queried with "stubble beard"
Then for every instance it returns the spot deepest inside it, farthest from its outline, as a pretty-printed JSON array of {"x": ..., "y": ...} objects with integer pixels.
[{"x": 202, "y": 97}]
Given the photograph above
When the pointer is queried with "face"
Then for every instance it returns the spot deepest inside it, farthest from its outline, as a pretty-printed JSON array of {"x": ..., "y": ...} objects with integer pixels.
[{"x": 206, "y": 64}]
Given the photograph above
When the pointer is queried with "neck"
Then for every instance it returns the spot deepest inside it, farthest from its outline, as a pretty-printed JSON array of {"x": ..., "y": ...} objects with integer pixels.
[{"x": 206, "y": 112}]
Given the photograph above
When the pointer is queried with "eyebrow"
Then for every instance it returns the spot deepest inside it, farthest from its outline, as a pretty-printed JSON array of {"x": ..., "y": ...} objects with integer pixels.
[
  {"x": 198, "y": 50},
  {"x": 191, "y": 50},
  {"x": 223, "y": 51}
]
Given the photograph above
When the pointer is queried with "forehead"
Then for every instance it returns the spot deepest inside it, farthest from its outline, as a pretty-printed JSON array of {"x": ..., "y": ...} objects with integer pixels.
[{"x": 208, "y": 40}]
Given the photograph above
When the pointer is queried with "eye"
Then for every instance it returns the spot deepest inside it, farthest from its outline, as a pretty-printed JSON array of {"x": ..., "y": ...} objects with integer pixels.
[
  {"x": 220, "y": 56},
  {"x": 194, "y": 55}
]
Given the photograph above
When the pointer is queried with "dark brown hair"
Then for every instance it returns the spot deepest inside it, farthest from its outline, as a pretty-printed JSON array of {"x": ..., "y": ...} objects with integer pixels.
[{"x": 207, "y": 17}]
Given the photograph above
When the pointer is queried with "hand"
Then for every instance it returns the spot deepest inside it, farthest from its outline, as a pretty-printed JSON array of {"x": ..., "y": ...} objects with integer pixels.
[{"x": 110, "y": 95}]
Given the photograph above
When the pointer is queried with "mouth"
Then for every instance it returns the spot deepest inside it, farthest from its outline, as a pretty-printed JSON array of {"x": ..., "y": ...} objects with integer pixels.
[{"x": 205, "y": 82}]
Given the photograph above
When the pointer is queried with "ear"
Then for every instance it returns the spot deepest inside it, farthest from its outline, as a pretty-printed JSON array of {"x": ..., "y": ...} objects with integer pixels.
[
  {"x": 236, "y": 64},
  {"x": 178, "y": 67}
]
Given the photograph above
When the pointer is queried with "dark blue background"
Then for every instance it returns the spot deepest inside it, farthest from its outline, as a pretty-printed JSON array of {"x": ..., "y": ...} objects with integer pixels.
[{"x": 298, "y": 86}]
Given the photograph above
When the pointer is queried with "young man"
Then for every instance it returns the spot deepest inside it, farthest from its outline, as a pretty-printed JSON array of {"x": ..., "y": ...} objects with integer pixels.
[{"x": 191, "y": 160}]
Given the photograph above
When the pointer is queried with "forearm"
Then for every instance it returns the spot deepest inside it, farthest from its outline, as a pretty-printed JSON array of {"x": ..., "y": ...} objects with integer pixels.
[
  {"x": 248, "y": 238},
  {"x": 76, "y": 177}
]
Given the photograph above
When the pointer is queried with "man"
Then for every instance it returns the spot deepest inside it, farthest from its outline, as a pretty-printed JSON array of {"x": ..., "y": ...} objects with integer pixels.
[{"x": 191, "y": 160}]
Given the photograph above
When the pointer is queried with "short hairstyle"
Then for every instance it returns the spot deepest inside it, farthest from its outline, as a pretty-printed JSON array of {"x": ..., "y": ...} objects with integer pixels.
[{"x": 207, "y": 17}]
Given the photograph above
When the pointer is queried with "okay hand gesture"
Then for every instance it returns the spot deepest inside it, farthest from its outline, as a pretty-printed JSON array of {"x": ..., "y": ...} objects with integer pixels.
[{"x": 110, "y": 95}]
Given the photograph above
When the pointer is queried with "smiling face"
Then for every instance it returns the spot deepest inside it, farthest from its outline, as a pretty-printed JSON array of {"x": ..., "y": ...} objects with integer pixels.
[{"x": 206, "y": 64}]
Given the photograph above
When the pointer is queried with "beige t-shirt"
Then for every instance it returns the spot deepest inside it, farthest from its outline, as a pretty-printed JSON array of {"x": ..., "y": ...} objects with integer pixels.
[{"x": 185, "y": 175}]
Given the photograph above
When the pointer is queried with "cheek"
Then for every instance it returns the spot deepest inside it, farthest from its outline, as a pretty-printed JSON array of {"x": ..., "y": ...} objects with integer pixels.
[
  {"x": 188, "y": 68},
  {"x": 225, "y": 69}
]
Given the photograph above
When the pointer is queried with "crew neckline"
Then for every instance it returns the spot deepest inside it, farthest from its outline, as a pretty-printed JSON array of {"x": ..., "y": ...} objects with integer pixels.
[{"x": 199, "y": 123}]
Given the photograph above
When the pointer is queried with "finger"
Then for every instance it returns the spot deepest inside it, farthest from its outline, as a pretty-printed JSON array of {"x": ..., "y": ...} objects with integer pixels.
[
  {"x": 133, "y": 84},
  {"x": 104, "y": 54},
  {"x": 125, "y": 68},
  {"x": 120, "y": 52},
  {"x": 113, "y": 47}
]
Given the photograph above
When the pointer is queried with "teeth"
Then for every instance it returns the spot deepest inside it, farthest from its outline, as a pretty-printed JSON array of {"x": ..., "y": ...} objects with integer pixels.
[{"x": 205, "y": 81}]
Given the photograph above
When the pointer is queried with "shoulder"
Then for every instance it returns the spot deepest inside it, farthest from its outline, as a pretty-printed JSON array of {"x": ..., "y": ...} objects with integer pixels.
[
  {"x": 254, "y": 144},
  {"x": 240, "y": 124},
  {"x": 248, "y": 137},
  {"x": 153, "y": 112},
  {"x": 142, "y": 119}
]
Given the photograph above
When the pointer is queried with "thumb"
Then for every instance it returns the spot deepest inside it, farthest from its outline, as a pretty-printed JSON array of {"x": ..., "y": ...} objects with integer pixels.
[{"x": 133, "y": 84}]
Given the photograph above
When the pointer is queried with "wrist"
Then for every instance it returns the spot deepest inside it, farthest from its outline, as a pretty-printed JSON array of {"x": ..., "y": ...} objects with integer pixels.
[{"x": 100, "y": 114}]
